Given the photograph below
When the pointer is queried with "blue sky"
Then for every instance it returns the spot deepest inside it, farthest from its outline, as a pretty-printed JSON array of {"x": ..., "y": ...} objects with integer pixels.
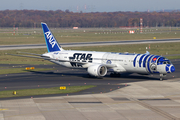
[{"x": 91, "y": 5}]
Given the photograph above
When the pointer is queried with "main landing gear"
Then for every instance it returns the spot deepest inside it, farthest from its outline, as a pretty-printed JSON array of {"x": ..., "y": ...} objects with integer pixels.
[
  {"x": 114, "y": 74},
  {"x": 162, "y": 76}
]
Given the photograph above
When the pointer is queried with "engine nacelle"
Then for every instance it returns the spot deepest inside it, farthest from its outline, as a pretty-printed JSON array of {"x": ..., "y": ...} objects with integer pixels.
[{"x": 97, "y": 70}]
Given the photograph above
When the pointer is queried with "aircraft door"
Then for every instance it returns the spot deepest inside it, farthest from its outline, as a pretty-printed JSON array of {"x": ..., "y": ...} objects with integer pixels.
[
  {"x": 109, "y": 58},
  {"x": 104, "y": 58}
]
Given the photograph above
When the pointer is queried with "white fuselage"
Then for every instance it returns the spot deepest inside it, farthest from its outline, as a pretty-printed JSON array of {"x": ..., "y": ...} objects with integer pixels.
[
  {"x": 98, "y": 63},
  {"x": 124, "y": 62}
]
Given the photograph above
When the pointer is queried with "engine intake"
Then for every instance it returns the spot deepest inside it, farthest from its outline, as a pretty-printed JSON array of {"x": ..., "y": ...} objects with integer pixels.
[{"x": 97, "y": 70}]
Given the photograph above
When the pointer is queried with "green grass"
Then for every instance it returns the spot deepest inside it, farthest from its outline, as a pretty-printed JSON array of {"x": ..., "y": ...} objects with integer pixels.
[
  {"x": 157, "y": 49},
  {"x": 43, "y": 91},
  {"x": 20, "y": 70},
  {"x": 173, "y": 57},
  {"x": 8, "y": 59},
  {"x": 35, "y": 36}
]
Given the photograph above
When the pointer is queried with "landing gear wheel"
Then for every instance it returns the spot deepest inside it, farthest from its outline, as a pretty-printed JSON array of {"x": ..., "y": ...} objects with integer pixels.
[
  {"x": 115, "y": 75},
  {"x": 161, "y": 76}
]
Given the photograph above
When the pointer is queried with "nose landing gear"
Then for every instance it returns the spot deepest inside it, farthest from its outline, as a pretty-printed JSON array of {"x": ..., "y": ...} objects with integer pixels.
[{"x": 162, "y": 76}]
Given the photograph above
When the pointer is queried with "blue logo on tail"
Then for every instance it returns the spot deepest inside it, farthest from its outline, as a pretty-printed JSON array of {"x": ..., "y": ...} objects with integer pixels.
[{"x": 51, "y": 43}]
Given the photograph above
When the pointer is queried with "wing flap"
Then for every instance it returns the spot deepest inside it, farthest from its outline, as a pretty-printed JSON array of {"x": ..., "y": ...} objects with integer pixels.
[{"x": 110, "y": 65}]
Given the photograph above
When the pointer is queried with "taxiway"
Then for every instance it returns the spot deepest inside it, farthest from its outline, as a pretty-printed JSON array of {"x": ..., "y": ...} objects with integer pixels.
[
  {"x": 32, "y": 46},
  {"x": 66, "y": 76},
  {"x": 128, "y": 97}
]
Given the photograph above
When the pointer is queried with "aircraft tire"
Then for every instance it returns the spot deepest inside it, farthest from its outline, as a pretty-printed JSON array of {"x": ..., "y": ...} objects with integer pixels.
[{"x": 115, "y": 75}]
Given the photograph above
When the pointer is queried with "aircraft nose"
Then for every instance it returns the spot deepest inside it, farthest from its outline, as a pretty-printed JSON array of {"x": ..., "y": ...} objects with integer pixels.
[{"x": 172, "y": 68}]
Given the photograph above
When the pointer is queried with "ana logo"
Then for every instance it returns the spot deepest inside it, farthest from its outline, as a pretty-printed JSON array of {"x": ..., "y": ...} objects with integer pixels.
[{"x": 50, "y": 37}]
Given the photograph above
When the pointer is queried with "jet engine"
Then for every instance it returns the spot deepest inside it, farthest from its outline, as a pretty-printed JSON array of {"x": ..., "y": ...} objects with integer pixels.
[{"x": 97, "y": 70}]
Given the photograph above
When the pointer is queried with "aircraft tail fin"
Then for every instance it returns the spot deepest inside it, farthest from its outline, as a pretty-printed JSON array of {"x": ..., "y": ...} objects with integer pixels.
[{"x": 51, "y": 42}]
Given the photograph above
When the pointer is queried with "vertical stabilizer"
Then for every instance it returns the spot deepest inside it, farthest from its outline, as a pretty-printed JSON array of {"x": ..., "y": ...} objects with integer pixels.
[{"x": 51, "y": 42}]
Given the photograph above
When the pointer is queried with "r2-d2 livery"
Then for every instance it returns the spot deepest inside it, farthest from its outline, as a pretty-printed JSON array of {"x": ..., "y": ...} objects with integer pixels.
[{"x": 99, "y": 63}]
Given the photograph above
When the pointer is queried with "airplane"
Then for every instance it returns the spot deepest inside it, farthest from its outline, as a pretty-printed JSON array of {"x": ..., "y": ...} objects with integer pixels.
[{"x": 99, "y": 63}]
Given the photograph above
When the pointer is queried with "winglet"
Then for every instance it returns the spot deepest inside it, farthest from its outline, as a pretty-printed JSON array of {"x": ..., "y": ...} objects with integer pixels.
[{"x": 51, "y": 42}]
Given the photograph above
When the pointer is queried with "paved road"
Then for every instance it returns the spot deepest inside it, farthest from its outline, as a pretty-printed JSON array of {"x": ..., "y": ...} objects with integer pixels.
[
  {"x": 144, "y": 97},
  {"x": 31, "y": 46},
  {"x": 66, "y": 76}
]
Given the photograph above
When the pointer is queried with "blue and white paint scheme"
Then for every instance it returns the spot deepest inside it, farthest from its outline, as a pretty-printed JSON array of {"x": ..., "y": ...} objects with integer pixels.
[
  {"x": 99, "y": 63},
  {"x": 51, "y": 42}
]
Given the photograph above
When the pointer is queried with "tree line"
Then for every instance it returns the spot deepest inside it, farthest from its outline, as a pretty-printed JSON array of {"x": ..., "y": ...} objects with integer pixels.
[{"x": 58, "y": 18}]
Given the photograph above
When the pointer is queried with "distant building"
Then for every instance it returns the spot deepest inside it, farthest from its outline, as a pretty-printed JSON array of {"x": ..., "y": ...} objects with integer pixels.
[{"x": 75, "y": 27}]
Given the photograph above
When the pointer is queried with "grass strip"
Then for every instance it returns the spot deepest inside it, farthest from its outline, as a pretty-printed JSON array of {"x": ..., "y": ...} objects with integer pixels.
[
  {"x": 21, "y": 70},
  {"x": 43, "y": 91},
  {"x": 31, "y": 36},
  {"x": 173, "y": 57},
  {"x": 155, "y": 48}
]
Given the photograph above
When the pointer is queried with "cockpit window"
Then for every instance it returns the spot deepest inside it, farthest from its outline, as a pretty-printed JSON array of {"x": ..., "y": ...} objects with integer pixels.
[
  {"x": 166, "y": 62},
  {"x": 163, "y": 60}
]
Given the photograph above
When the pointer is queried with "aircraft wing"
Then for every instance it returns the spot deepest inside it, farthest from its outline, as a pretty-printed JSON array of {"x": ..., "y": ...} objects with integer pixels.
[
  {"x": 42, "y": 57},
  {"x": 29, "y": 53},
  {"x": 45, "y": 58},
  {"x": 39, "y": 56},
  {"x": 110, "y": 65}
]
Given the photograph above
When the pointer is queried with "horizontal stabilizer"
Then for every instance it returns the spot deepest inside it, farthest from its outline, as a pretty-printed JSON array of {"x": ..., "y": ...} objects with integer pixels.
[{"x": 29, "y": 53}]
